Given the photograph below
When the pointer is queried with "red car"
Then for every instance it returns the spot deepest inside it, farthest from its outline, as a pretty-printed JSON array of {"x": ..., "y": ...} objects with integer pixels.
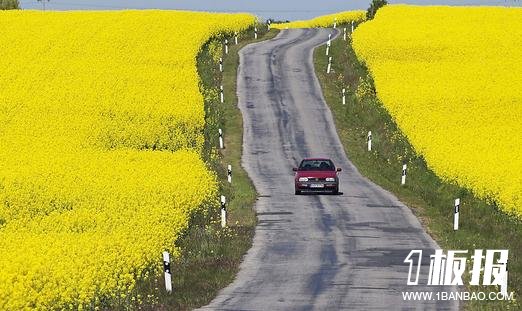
[{"x": 316, "y": 175}]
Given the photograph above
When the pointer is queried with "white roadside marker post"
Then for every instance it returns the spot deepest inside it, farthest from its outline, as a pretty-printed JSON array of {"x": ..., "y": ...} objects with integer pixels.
[
  {"x": 369, "y": 139},
  {"x": 328, "y": 48},
  {"x": 329, "y": 65},
  {"x": 255, "y": 32},
  {"x": 344, "y": 96},
  {"x": 166, "y": 268},
  {"x": 403, "y": 180},
  {"x": 352, "y": 26},
  {"x": 221, "y": 144},
  {"x": 223, "y": 211},
  {"x": 220, "y": 64},
  {"x": 344, "y": 33},
  {"x": 229, "y": 174},
  {"x": 221, "y": 94},
  {"x": 456, "y": 215},
  {"x": 335, "y": 23},
  {"x": 226, "y": 46},
  {"x": 235, "y": 38},
  {"x": 268, "y": 24},
  {"x": 328, "y": 43}
]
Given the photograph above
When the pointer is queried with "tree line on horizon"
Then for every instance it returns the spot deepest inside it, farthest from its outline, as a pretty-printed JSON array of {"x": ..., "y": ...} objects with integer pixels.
[{"x": 9, "y": 5}]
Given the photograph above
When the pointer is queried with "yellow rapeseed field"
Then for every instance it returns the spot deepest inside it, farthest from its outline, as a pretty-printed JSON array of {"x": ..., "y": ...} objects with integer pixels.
[
  {"x": 101, "y": 124},
  {"x": 325, "y": 20},
  {"x": 451, "y": 77}
]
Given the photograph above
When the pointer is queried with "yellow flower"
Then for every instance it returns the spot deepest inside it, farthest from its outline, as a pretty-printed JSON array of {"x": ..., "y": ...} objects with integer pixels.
[
  {"x": 450, "y": 77},
  {"x": 101, "y": 132},
  {"x": 325, "y": 20}
]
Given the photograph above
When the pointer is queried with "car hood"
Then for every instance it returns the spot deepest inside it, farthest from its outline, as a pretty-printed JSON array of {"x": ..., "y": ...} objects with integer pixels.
[{"x": 316, "y": 174}]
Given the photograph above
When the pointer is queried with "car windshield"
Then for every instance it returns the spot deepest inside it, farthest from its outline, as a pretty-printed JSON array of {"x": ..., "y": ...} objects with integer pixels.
[{"x": 317, "y": 165}]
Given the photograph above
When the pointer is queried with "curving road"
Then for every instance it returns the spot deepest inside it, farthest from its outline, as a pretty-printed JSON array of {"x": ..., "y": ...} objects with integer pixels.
[{"x": 314, "y": 252}]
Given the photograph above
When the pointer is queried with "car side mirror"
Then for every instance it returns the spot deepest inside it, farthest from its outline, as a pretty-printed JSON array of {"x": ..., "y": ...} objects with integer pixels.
[
  {"x": 294, "y": 169},
  {"x": 339, "y": 169}
]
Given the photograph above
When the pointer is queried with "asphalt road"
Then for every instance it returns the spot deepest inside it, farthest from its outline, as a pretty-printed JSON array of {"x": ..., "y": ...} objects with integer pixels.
[{"x": 314, "y": 252}]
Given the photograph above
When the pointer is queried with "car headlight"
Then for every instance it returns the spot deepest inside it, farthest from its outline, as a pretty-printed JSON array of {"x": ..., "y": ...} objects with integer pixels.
[
  {"x": 303, "y": 179},
  {"x": 330, "y": 179}
]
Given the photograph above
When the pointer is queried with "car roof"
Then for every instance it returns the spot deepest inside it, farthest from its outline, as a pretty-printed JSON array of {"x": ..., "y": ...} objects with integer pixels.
[{"x": 315, "y": 159}]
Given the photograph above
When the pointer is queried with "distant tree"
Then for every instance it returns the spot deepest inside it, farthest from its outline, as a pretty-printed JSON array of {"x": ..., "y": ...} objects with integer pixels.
[
  {"x": 374, "y": 6},
  {"x": 9, "y": 5}
]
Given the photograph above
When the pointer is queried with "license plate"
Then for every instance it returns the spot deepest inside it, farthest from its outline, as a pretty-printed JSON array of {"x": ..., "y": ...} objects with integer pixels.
[{"x": 316, "y": 186}]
